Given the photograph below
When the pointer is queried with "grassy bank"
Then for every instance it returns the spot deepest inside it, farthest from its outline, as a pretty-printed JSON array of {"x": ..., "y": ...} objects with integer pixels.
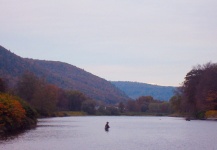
[{"x": 69, "y": 113}]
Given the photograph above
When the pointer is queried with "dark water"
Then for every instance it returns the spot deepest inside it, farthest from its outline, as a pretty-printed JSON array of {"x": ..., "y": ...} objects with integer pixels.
[{"x": 126, "y": 133}]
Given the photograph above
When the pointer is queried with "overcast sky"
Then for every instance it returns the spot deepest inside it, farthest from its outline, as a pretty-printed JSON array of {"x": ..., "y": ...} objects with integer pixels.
[{"x": 150, "y": 41}]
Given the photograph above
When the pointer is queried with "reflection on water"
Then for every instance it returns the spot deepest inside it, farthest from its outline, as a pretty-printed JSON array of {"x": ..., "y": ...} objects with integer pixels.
[
  {"x": 11, "y": 136},
  {"x": 88, "y": 133}
]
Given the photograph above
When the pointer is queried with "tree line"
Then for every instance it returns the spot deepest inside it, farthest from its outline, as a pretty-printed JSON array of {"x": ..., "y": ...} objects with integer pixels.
[
  {"x": 197, "y": 97},
  {"x": 47, "y": 99},
  {"x": 148, "y": 105}
]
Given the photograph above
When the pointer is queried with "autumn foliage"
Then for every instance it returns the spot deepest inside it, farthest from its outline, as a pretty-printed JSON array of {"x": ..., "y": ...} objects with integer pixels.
[
  {"x": 12, "y": 113},
  {"x": 197, "y": 97},
  {"x": 15, "y": 113}
]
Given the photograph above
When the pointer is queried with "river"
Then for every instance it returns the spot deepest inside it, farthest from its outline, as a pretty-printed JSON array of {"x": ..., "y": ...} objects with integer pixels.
[{"x": 126, "y": 133}]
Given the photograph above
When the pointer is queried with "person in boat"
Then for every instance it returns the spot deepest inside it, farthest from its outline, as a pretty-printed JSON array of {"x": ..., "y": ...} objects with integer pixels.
[{"x": 107, "y": 126}]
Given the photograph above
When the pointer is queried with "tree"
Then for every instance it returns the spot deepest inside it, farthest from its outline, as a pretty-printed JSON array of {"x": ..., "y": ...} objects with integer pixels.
[
  {"x": 111, "y": 110},
  {"x": 31, "y": 115},
  {"x": 2, "y": 86},
  {"x": 143, "y": 103},
  {"x": 75, "y": 100},
  {"x": 62, "y": 102},
  {"x": 191, "y": 82},
  {"x": 45, "y": 99},
  {"x": 207, "y": 88},
  {"x": 121, "y": 107},
  {"x": 27, "y": 85},
  {"x": 12, "y": 113},
  {"x": 41, "y": 95},
  {"x": 199, "y": 90},
  {"x": 154, "y": 107},
  {"x": 175, "y": 101},
  {"x": 165, "y": 108},
  {"x": 15, "y": 113},
  {"x": 131, "y": 106},
  {"x": 88, "y": 106}
]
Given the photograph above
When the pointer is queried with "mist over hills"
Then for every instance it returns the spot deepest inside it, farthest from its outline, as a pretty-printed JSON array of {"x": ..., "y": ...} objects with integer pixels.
[
  {"x": 135, "y": 90},
  {"x": 61, "y": 74}
]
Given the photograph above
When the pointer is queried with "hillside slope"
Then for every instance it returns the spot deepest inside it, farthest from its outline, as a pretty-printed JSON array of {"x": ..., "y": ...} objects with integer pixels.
[
  {"x": 135, "y": 90},
  {"x": 61, "y": 74}
]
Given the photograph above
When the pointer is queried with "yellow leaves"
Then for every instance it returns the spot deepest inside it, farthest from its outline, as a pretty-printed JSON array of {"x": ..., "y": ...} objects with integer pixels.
[{"x": 211, "y": 114}]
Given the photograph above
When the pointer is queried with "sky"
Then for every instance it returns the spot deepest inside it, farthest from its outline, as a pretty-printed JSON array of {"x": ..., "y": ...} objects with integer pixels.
[{"x": 149, "y": 41}]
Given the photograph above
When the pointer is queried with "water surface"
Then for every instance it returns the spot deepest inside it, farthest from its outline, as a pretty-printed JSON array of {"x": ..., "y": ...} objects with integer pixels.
[{"x": 126, "y": 133}]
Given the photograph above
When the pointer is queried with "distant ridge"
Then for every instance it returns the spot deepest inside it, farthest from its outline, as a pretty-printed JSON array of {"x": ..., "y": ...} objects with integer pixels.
[
  {"x": 61, "y": 74},
  {"x": 136, "y": 89}
]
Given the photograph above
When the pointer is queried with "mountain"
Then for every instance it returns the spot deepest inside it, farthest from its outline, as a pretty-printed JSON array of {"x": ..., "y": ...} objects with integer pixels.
[
  {"x": 63, "y": 75},
  {"x": 135, "y": 90}
]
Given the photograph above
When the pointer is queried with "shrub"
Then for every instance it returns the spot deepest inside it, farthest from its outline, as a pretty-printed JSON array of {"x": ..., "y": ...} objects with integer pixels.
[
  {"x": 15, "y": 114},
  {"x": 12, "y": 113}
]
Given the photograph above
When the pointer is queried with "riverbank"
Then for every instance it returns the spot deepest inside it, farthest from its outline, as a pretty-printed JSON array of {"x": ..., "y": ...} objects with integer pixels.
[
  {"x": 81, "y": 113},
  {"x": 69, "y": 113}
]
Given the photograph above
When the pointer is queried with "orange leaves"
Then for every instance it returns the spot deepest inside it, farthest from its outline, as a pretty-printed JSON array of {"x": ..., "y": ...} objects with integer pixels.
[
  {"x": 18, "y": 113},
  {"x": 12, "y": 113}
]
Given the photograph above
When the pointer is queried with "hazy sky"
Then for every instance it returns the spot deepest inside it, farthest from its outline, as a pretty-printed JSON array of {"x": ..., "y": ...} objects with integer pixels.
[{"x": 151, "y": 41}]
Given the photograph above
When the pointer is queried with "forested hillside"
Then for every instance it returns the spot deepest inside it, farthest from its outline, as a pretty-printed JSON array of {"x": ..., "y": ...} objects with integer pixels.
[
  {"x": 135, "y": 90},
  {"x": 13, "y": 66},
  {"x": 63, "y": 75}
]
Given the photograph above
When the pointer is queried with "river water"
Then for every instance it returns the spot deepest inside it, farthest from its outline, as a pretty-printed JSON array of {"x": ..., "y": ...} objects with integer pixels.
[{"x": 126, "y": 133}]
